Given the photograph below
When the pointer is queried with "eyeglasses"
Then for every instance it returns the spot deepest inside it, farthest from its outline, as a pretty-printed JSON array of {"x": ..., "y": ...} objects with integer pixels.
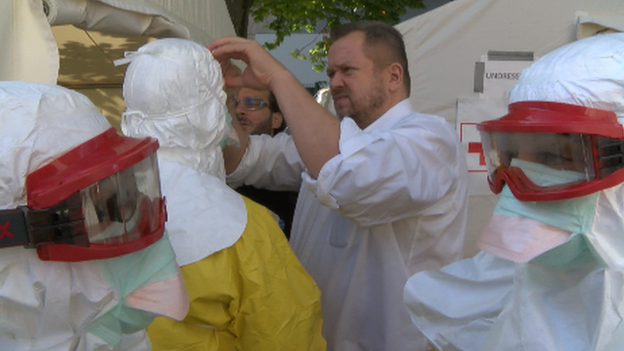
[{"x": 251, "y": 104}]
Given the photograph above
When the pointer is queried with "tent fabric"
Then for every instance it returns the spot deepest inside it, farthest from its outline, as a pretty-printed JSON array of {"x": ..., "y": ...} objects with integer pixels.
[
  {"x": 118, "y": 17},
  {"x": 590, "y": 24},
  {"x": 201, "y": 21},
  {"x": 73, "y": 42},
  {"x": 444, "y": 44},
  {"x": 26, "y": 42}
]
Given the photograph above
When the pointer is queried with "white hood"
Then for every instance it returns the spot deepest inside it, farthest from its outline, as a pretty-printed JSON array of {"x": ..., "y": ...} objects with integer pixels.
[
  {"x": 587, "y": 73},
  {"x": 174, "y": 92}
]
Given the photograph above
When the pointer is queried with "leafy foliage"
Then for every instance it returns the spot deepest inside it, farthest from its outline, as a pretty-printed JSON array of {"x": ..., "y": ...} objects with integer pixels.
[{"x": 295, "y": 16}]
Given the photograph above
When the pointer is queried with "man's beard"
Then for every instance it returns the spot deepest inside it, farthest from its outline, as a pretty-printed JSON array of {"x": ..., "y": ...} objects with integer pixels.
[
  {"x": 360, "y": 111},
  {"x": 264, "y": 128}
]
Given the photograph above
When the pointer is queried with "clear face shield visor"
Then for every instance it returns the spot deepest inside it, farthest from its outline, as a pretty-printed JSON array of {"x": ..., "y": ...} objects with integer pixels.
[
  {"x": 100, "y": 200},
  {"x": 581, "y": 148}
]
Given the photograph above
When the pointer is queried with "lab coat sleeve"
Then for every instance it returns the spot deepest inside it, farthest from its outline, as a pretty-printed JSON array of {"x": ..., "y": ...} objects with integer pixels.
[
  {"x": 271, "y": 163},
  {"x": 253, "y": 295},
  {"x": 385, "y": 175}
]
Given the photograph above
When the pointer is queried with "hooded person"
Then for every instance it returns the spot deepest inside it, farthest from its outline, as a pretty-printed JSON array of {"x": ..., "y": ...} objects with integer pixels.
[
  {"x": 85, "y": 263},
  {"x": 550, "y": 274},
  {"x": 247, "y": 289}
]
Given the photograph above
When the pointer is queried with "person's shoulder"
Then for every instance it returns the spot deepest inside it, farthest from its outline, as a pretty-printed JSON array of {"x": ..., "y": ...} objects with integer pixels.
[
  {"x": 403, "y": 114},
  {"x": 419, "y": 117},
  {"x": 415, "y": 119},
  {"x": 418, "y": 126}
]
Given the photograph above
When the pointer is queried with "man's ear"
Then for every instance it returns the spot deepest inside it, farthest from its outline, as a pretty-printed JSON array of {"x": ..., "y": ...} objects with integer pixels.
[
  {"x": 395, "y": 77},
  {"x": 277, "y": 121}
]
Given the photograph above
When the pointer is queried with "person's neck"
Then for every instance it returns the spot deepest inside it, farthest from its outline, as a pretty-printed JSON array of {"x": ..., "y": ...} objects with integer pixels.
[{"x": 375, "y": 115}]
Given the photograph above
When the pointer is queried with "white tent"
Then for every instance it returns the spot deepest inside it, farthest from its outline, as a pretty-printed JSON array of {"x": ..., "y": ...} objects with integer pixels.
[
  {"x": 464, "y": 57},
  {"x": 73, "y": 42}
]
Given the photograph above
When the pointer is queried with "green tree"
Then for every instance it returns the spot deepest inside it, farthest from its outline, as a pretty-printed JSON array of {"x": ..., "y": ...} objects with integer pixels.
[{"x": 296, "y": 16}]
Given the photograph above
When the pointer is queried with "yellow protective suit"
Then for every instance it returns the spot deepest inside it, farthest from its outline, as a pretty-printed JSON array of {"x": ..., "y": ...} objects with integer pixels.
[{"x": 253, "y": 295}]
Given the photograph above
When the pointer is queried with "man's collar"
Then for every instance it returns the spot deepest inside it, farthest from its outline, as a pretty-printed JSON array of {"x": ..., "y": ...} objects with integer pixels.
[{"x": 399, "y": 110}]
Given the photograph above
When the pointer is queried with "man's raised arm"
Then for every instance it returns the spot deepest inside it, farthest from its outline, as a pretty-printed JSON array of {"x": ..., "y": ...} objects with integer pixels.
[{"x": 315, "y": 131}]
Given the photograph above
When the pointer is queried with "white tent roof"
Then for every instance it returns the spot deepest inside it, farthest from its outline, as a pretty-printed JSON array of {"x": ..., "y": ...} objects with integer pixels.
[
  {"x": 73, "y": 42},
  {"x": 453, "y": 49},
  {"x": 444, "y": 44}
]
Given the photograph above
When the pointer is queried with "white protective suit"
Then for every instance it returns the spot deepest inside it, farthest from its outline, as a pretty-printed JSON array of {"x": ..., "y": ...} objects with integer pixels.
[
  {"x": 391, "y": 204},
  {"x": 553, "y": 281},
  {"x": 247, "y": 289},
  {"x": 90, "y": 305}
]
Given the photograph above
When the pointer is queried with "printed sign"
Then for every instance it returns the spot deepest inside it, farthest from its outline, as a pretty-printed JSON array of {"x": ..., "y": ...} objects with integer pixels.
[{"x": 500, "y": 76}]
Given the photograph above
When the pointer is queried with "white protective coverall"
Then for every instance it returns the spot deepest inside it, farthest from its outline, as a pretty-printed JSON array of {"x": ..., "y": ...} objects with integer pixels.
[
  {"x": 247, "y": 289},
  {"x": 391, "y": 204},
  {"x": 90, "y": 305},
  {"x": 534, "y": 288}
]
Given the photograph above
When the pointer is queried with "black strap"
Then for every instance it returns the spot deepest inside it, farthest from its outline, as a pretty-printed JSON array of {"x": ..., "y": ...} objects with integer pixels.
[
  {"x": 26, "y": 227},
  {"x": 13, "y": 230}
]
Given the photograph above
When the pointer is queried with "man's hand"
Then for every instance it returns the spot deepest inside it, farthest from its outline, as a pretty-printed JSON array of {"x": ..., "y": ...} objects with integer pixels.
[
  {"x": 262, "y": 68},
  {"x": 232, "y": 74},
  {"x": 315, "y": 131}
]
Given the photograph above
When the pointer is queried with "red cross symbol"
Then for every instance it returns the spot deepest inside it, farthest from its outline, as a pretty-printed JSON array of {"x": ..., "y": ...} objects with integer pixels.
[
  {"x": 477, "y": 147},
  {"x": 4, "y": 231}
]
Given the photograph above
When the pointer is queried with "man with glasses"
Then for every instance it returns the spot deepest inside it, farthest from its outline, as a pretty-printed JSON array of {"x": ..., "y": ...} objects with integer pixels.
[{"x": 257, "y": 112}]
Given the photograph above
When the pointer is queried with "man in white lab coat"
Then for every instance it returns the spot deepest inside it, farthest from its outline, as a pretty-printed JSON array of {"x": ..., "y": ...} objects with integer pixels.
[
  {"x": 551, "y": 272},
  {"x": 382, "y": 192}
]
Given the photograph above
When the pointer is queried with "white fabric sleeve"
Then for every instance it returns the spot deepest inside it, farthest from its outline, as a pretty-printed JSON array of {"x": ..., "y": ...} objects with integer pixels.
[
  {"x": 270, "y": 163},
  {"x": 381, "y": 176}
]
